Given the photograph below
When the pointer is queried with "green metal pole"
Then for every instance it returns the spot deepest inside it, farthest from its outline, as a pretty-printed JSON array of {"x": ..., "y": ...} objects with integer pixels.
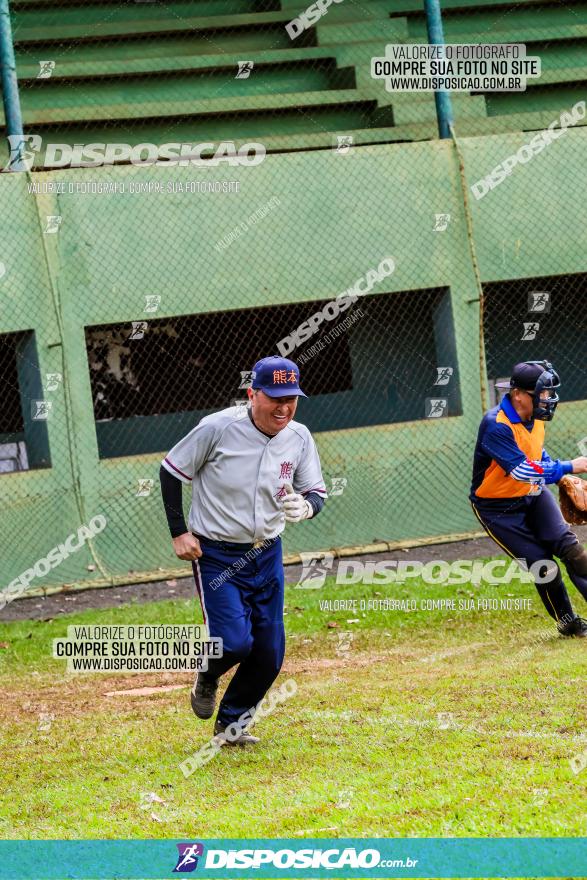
[{"x": 10, "y": 95}]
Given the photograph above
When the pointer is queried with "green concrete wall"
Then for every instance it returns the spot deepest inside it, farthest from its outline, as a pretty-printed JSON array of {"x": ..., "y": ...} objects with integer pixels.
[{"x": 338, "y": 216}]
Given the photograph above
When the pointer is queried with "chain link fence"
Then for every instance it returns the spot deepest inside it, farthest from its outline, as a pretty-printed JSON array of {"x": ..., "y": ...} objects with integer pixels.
[{"x": 137, "y": 297}]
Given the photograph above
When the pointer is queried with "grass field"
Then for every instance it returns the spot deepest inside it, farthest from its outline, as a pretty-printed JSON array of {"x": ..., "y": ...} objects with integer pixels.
[{"x": 420, "y": 724}]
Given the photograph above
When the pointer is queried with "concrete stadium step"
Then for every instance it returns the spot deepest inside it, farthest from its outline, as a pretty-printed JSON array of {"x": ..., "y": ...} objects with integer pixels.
[
  {"x": 551, "y": 100},
  {"x": 391, "y": 29},
  {"x": 203, "y": 129},
  {"x": 92, "y": 15},
  {"x": 242, "y": 33},
  {"x": 404, "y": 7},
  {"x": 564, "y": 56},
  {"x": 291, "y": 134},
  {"x": 171, "y": 45},
  {"x": 274, "y": 143},
  {"x": 26, "y": 27},
  {"x": 516, "y": 122},
  {"x": 411, "y": 107},
  {"x": 106, "y": 93},
  {"x": 468, "y": 7},
  {"x": 204, "y": 7},
  {"x": 558, "y": 64},
  {"x": 173, "y": 64},
  {"x": 374, "y": 9},
  {"x": 560, "y": 75},
  {"x": 164, "y": 109},
  {"x": 106, "y": 59},
  {"x": 92, "y": 10},
  {"x": 185, "y": 42},
  {"x": 361, "y": 137},
  {"x": 529, "y": 34},
  {"x": 481, "y": 23},
  {"x": 407, "y": 111}
]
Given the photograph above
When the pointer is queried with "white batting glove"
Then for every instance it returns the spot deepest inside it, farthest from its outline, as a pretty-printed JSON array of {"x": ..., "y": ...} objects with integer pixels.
[{"x": 295, "y": 505}]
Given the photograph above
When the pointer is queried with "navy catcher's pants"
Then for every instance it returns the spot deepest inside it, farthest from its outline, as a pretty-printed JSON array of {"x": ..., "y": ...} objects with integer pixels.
[
  {"x": 241, "y": 593},
  {"x": 533, "y": 528}
]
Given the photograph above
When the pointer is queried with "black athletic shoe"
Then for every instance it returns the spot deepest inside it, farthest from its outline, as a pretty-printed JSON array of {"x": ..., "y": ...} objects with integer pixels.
[
  {"x": 576, "y": 627},
  {"x": 203, "y": 696},
  {"x": 242, "y": 738}
]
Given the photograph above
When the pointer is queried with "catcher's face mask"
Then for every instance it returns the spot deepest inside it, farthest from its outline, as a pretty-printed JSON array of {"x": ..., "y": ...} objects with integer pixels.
[
  {"x": 539, "y": 380},
  {"x": 548, "y": 381}
]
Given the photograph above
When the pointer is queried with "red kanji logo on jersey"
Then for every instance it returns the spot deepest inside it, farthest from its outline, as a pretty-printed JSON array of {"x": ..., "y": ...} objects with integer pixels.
[
  {"x": 281, "y": 493},
  {"x": 286, "y": 470}
]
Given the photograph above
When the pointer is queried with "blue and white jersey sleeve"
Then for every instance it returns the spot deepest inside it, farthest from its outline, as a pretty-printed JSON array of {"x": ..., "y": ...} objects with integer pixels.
[{"x": 546, "y": 470}]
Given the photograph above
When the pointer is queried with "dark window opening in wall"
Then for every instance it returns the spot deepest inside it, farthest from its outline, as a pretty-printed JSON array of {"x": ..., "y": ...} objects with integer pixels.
[
  {"x": 24, "y": 441},
  {"x": 378, "y": 362},
  {"x": 538, "y": 319}
]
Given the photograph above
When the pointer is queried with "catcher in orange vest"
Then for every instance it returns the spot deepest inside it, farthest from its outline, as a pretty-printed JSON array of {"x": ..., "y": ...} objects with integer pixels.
[{"x": 511, "y": 470}]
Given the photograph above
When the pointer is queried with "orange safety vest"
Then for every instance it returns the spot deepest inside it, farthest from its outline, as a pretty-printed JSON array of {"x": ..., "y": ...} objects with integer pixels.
[{"x": 496, "y": 483}]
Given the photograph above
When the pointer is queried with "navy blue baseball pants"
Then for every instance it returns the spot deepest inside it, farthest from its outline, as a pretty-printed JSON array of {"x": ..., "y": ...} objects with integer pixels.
[
  {"x": 532, "y": 528},
  {"x": 241, "y": 593}
]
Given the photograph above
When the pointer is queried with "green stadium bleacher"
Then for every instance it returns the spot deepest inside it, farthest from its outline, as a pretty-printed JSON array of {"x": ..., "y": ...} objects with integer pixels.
[{"x": 148, "y": 72}]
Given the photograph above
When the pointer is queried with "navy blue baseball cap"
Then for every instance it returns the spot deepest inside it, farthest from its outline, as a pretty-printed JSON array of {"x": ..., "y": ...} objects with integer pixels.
[{"x": 277, "y": 377}]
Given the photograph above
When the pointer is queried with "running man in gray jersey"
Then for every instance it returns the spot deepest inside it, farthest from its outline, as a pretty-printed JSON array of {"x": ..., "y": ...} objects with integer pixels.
[{"x": 251, "y": 472}]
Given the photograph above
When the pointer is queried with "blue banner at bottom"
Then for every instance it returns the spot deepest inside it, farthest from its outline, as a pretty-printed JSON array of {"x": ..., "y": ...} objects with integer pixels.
[{"x": 352, "y": 857}]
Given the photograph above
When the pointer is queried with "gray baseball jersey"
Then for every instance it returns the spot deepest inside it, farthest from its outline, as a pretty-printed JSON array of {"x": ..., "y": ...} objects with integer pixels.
[{"x": 238, "y": 475}]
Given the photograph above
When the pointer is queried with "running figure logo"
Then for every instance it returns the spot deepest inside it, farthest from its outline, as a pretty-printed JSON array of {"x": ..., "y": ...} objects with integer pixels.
[
  {"x": 315, "y": 567},
  {"x": 539, "y": 301},
  {"x": 47, "y": 68},
  {"x": 245, "y": 69},
  {"x": 531, "y": 329},
  {"x": 187, "y": 860},
  {"x": 443, "y": 375},
  {"x": 436, "y": 407}
]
